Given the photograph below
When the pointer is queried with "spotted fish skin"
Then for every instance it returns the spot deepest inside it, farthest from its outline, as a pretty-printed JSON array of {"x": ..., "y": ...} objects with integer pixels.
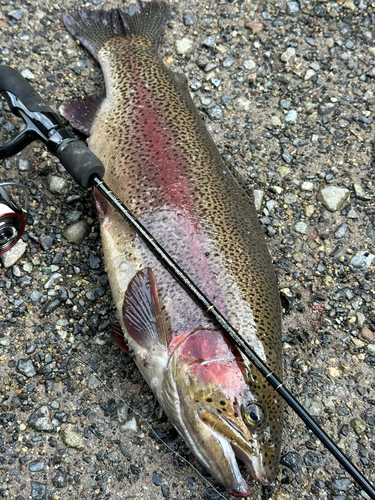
[{"x": 162, "y": 163}]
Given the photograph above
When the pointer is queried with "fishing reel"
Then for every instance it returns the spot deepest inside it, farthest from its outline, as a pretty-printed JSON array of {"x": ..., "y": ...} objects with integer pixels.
[
  {"x": 43, "y": 124},
  {"x": 13, "y": 210}
]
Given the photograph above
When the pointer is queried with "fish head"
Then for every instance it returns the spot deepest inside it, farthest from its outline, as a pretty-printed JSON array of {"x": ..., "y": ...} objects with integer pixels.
[{"x": 224, "y": 412}]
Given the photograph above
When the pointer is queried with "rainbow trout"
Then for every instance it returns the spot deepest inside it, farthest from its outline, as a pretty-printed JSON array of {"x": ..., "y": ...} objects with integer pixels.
[{"x": 161, "y": 162}]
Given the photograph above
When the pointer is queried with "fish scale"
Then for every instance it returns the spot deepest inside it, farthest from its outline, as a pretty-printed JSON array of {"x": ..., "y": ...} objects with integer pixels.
[{"x": 161, "y": 162}]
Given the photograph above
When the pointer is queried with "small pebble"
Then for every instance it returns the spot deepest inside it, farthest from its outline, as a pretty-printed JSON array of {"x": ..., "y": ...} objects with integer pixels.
[
  {"x": 188, "y": 19},
  {"x": 9, "y": 258},
  {"x": 37, "y": 465},
  {"x": 16, "y": 14},
  {"x": 156, "y": 478},
  {"x": 57, "y": 185},
  {"x": 362, "y": 260},
  {"x": 215, "y": 113},
  {"x": 40, "y": 420},
  {"x": 341, "y": 231},
  {"x": 242, "y": 104},
  {"x": 209, "y": 42},
  {"x": 293, "y": 461},
  {"x": 77, "y": 232},
  {"x": 183, "y": 46},
  {"x": 71, "y": 436},
  {"x": 288, "y": 55},
  {"x": 26, "y": 367},
  {"x": 275, "y": 121},
  {"x": 291, "y": 116},
  {"x": 23, "y": 165},
  {"x": 249, "y": 64},
  {"x": 258, "y": 199},
  {"x": 332, "y": 197},
  {"x": 26, "y": 73},
  {"x": 38, "y": 491},
  {"x": 130, "y": 428},
  {"x": 292, "y": 7}
]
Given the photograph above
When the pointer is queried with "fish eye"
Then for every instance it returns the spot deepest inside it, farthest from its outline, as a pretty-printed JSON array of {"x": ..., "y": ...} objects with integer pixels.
[{"x": 253, "y": 415}]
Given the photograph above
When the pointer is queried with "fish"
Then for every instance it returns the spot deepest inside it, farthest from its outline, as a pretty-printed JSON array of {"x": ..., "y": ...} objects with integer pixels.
[{"x": 161, "y": 162}]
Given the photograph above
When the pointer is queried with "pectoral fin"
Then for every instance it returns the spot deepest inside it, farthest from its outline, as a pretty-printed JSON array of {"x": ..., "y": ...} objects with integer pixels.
[
  {"x": 81, "y": 114},
  {"x": 118, "y": 337},
  {"x": 142, "y": 311}
]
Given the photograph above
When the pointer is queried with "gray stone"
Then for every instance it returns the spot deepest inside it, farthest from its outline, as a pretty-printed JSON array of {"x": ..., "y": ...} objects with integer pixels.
[
  {"x": 352, "y": 214},
  {"x": 37, "y": 465},
  {"x": 286, "y": 156},
  {"x": 40, "y": 420},
  {"x": 215, "y": 113},
  {"x": 122, "y": 412},
  {"x": 290, "y": 198},
  {"x": 275, "y": 121},
  {"x": 288, "y": 55},
  {"x": 332, "y": 197},
  {"x": 59, "y": 479},
  {"x": 130, "y": 428},
  {"x": 26, "y": 73},
  {"x": 358, "y": 426},
  {"x": 23, "y": 165},
  {"x": 341, "y": 231},
  {"x": 93, "y": 383},
  {"x": 113, "y": 457},
  {"x": 183, "y": 46},
  {"x": 51, "y": 280},
  {"x": 360, "y": 193},
  {"x": 209, "y": 67},
  {"x": 242, "y": 104},
  {"x": 258, "y": 199},
  {"x": 341, "y": 484},
  {"x": 228, "y": 62},
  {"x": 291, "y": 116},
  {"x": 309, "y": 74},
  {"x": 188, "y": 19},
  {"x": 71, "y": 436},
  {"x": 10, "y": 257},
  {"x": 74, "y": 215},
  {"x": 57, "y": 184},
  {"x": 249, "y": 64},
  {"x": 38, "y": 491},
  {"x": 16, "y": 14},
  {"x": 26, "y": 367},
  {"x": 362, "y": 260},
  {"x": 315, "y": 408},
  {"x": 77, "y": 232},
  {"x": 292, "y": 7},
  {"x": 301, "y": 227},
  {"x": 209, "y": 42},
  {"x": 307, "y": 186}
]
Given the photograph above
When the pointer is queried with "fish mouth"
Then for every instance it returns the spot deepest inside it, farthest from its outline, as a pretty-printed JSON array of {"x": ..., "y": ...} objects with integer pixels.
[{"x": 236, "y": 446}]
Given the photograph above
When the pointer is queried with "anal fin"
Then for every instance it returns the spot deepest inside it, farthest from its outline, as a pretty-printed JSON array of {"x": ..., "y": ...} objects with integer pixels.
[
  {"x": 81, "y": 114},
  {"x": 142, "y": 311}
]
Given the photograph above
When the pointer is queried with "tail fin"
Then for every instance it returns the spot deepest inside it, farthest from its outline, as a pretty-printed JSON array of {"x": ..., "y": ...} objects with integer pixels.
[{"x": 94, "y": 28}]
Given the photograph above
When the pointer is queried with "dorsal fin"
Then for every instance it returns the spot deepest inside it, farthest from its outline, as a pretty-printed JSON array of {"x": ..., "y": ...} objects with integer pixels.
[{"x": 142, "y": 312}]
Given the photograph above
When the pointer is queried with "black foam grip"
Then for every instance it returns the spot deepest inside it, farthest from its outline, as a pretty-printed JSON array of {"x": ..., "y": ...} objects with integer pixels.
[
  {"x": 80, "y": 162},
  {"x": 12, "y": 81}
]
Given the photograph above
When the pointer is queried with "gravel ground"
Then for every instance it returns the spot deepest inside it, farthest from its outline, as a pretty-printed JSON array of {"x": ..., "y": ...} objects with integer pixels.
[{"x": 287, "y": 91}]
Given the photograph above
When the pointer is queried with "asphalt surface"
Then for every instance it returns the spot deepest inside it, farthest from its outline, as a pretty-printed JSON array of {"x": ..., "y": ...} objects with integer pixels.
[{"x": 287, "y": 91}]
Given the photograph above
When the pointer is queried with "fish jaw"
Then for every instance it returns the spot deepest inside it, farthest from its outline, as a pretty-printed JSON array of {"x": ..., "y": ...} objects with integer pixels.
[{"x": 204, "y": 396}]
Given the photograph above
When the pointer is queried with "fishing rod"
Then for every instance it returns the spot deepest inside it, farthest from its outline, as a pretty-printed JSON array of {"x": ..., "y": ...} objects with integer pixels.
[{"x": 43, "y": 124}]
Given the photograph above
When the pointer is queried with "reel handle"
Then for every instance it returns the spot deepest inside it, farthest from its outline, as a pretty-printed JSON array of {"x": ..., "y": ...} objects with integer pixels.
[{"x": 43, "y": 124}]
